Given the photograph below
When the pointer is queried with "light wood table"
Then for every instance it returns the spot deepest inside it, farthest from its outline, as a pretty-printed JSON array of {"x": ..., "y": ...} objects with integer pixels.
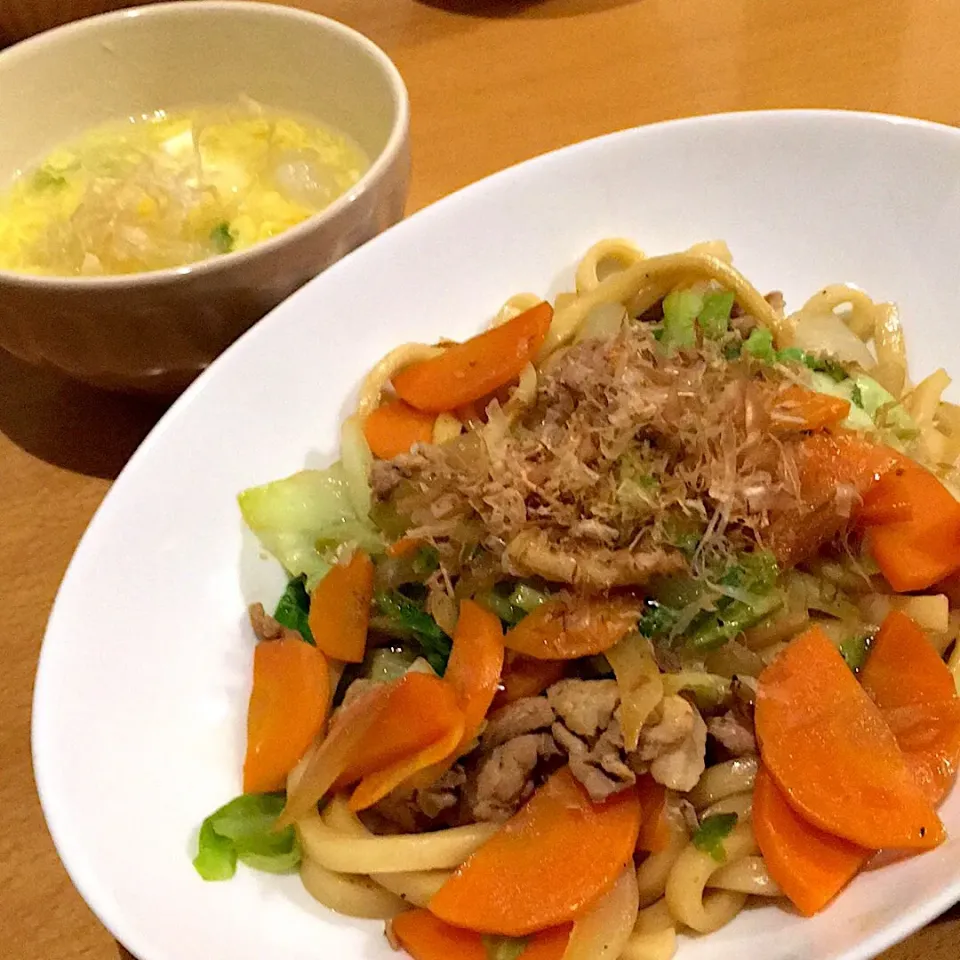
[{"x": 490, "y": 84}]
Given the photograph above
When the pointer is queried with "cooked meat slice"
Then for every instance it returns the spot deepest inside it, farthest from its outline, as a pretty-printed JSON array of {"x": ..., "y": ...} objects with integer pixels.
[
  {"x": 676, "y": 745},
  {"x": 530, "y": 553},
  {"x": 384, "y": 477},
  {"x": 732, "y": 733},
  {"x": 584, "y": 706},
  {"x": 505, "y": 778},
  {"x": 266, "y": 628},
  {"x": 526, "y": 715},
  {"x": 443, "y": 795},
  {"x": 601, "y": 769}
]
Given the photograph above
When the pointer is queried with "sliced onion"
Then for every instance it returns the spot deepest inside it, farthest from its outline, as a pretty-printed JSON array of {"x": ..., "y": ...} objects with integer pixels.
[
  {"x": 827, "y": 333},
  {"x": 603, "y": 931}
]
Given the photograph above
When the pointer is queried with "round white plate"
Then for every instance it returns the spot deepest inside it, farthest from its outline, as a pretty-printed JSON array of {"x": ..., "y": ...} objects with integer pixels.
[{"x": 143, "y": 679}]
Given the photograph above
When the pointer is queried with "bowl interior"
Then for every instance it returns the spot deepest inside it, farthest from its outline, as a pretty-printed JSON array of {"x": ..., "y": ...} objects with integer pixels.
[{"x": 55, "y": 86}]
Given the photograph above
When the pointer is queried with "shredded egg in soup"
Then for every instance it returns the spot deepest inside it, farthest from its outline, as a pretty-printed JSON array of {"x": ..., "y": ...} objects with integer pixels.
[{"x": 172, "y": 188}]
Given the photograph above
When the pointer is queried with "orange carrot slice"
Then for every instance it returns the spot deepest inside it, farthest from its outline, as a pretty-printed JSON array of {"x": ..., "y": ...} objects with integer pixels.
[
  {"x": 426, "y": 937},
  {"x": 526, "y": 677},
  {"x": 903, "y": 667},
  {"x": 468, "y": 371},
  {"x": 654, "y": 836},
  {"x": 914, "y": 554},
  {"x": 387, "y": 724},
  {"x": 833, "y": 756},
  {"x": 825, "y": 462},
  {"x": 549, "y": 862},
  {"x": 547, "y": 944},
  {"x": 288, "y": 708},
  {"x": 476, "y": 659},
  {"x": 929, "y": 736},
  {"x": 797, "y": 408},
  {"x": 914, "y": 689},
  {"x": 394, "y": 427},
  {"x": 375, "y": 786},
  {"x": 340, "y": 609},
  {"x": 566, "y": 628},
  {"x": 810, "y": 866}
]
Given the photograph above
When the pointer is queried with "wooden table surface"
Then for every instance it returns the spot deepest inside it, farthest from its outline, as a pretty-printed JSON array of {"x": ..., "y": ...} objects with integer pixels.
[{"x": 490, "y": 84}]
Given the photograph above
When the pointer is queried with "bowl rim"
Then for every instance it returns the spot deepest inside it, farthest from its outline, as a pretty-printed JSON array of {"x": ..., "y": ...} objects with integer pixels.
[{"x": 387, "y": 157}]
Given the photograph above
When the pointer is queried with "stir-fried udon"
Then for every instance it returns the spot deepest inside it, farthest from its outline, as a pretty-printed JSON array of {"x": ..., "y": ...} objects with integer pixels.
[{"x": 631, "y": 608}]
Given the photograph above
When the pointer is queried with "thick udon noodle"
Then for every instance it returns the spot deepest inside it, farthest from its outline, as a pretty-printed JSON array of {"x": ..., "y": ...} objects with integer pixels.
[{"x": 351, "y": 870}]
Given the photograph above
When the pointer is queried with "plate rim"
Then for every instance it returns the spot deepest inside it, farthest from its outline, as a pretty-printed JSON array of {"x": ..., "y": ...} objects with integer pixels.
[{"x": 80, "y": 869}]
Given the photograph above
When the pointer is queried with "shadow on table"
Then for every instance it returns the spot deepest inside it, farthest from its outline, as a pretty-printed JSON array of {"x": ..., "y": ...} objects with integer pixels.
[
  {"x": 526, "y": 9},
  {"x": 71, "y": 425}
]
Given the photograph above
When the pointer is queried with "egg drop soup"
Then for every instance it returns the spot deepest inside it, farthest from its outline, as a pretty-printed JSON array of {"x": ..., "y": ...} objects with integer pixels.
[{"x": 168, "y": 189}]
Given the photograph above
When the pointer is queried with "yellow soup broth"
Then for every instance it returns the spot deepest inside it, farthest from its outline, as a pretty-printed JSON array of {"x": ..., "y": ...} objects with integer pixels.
[{"x": 172, "y": 188}]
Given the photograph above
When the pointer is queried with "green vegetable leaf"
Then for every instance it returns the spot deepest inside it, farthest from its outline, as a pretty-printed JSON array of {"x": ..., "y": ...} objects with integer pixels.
[
  {"x": 760, "y": 345},
  {"x": 657, "y": 619},
  {"x": 854, "y": 650},
  {"x": 832, "y": 368},
  {"x": 293, "y": 609},
  {"x": 712, "y": 832},
  {"x": 244, "y": 829},
  {"x": 733, "y": 350},
  {"x": 216, "y": 857},
  {"x": 680, "y": 311},
  {"x": 714, "y": 317},
  {"x": 790, "y": 355},
  {"x": 527, "y": 598},
  {"x": 303, "y": 519},
  {"x": 425, "y": 561},
  {"x": 504, "y": 948},
  {"x": 400, "y": 616},
  {"x": 856, "y": 395},
  {"x": 221, "y": 237}
]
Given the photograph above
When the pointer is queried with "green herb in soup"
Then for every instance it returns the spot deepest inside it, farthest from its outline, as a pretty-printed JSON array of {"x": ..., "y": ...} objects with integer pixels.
[{"x": 169, "y": 189}]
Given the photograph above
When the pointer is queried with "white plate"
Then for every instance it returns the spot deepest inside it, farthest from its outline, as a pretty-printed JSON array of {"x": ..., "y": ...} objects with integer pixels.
[{"x": 142, "y": 687}]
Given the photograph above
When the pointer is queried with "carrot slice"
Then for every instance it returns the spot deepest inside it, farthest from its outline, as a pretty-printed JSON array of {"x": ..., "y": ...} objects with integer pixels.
[
  {"x": 288, "y": 708},
  {"x": 915, "y": 692},
  {"x": 547, "y": 944},
  {"x": 903, "y": 667},
  {"x": 810, "y": 866},
  {"x": 826, "y": 461},
  {"x": 426, "y": 937},
  {"x": 476, "y": 659},
  {"x": 468, "y": 371},
  {"x": 375, "y": 786},
  {"x": 914, "y": 554},
  {"x": 566, "y": 628},
  {"x": 340, "y": 609},
  {"x": 388, "y": 724},
  {"x": 394, "y": 427},
  {"x": 929, "y": 736},
  {"x": 654, "y": 836},
  {"x": 551, "y": 860},
  {"x": 526, "y": 677},
  {"x": 797, "y": 408},
  {"x": 833, "y": 756}
]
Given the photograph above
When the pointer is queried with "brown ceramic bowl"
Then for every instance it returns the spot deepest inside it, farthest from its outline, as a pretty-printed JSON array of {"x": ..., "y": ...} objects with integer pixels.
[{"x": 155, "y": 331}]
